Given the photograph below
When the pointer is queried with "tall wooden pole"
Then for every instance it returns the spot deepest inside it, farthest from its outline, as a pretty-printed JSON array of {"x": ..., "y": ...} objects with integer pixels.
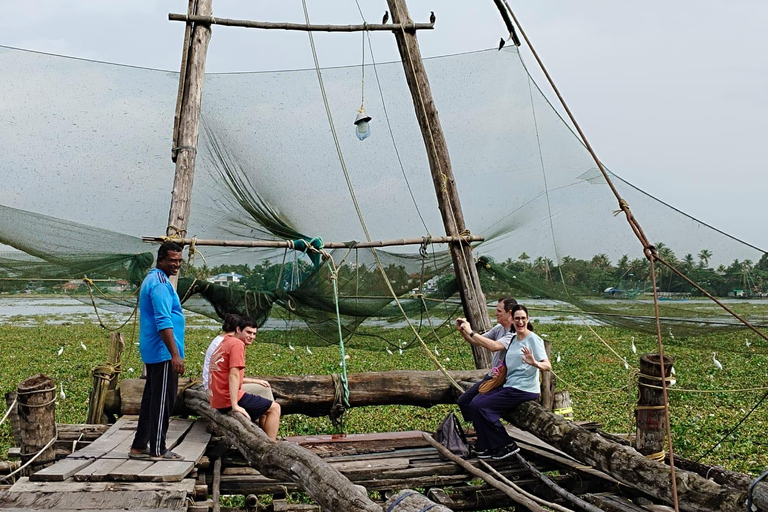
[
  {"x": 472, "y": 297},
  {"x": 191, "y": 95}
]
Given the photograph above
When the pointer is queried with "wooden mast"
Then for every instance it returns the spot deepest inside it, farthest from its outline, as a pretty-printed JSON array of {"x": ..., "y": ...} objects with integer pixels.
[
  {"x": 472, "y": 297},
  {"x": 187, "y": 128}
]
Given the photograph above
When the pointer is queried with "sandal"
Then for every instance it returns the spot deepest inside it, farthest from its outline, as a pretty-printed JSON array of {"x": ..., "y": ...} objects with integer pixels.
[
  {"x": 144, "y": 454},
  {"x": 168, "y": 455}
]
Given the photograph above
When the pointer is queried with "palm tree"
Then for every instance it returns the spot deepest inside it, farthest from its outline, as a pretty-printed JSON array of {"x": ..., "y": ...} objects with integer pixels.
[
  {"x": 688, "y": 262},
  {"x": 704, "y": 257}
]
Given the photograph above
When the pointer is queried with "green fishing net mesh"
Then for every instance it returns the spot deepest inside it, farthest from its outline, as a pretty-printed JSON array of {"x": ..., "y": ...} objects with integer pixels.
[{"x": 87, "y": 172}]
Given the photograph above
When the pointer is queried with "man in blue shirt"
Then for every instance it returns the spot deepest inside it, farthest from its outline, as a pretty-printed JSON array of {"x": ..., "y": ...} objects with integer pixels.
[{"x": 161, "y": 343}]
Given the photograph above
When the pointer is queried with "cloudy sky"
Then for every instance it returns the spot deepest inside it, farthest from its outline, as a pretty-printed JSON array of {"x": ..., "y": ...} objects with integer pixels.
[{"x": 670, "y": 94}]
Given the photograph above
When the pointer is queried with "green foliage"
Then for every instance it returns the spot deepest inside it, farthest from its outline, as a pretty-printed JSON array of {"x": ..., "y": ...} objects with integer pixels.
[{"x": 601, "y": 389}]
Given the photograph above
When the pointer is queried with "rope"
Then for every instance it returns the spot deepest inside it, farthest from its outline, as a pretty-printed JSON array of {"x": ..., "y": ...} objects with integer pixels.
[
  {"x": 650, "y": 407},
  {"x": 731, "y": 431},
  {"x": 665, "y": 395},
  {"x": 88, "y": 283},
  {"x": 357, "y": 206},
  {"x": 623, "y": 360},
  {"x": 43, "y": 449},
  {"x": 8, "y": 412},
  {"x": 744, "y": 390},
  {"x": 334, "y": 278},
  {"x": 36, "y": 391},
  {"x": 398, "y": 500},
  {"x": 658, "y": 456},
  {"x": 389, "y": 124}
]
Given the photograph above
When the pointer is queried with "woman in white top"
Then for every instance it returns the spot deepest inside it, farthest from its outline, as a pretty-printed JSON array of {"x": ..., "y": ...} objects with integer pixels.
[
  {"x": 524, "y": 360},
  {"x": 230, "y": 322},
  {"x": 252, "y": 386}
]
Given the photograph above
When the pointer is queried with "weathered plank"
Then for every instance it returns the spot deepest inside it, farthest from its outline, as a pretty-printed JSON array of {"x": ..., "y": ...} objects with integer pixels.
[
  {"x": 26, "y": 485},
  {"x": 193, "y": 446},
  {"x": 62, "y": 470},
  {"x": 129, "y": 470},
  {"x": 176, "y": 430},
  {"x": 111, "y": 438},
  {"x": 103, "y": 500},
  {"x": 99, "y": 470},
  {"x": 166, "y": 471},
  {"x": 284, "y": 506}
]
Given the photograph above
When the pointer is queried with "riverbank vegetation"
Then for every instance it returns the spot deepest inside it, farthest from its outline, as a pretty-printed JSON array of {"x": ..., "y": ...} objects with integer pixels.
[{"x": 706, "y": 403}]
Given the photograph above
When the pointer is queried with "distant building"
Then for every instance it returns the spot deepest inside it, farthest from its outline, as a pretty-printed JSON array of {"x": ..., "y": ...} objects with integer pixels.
[
  {"x": 225, "y": 279},
  {"x": 614, "y": 292}
]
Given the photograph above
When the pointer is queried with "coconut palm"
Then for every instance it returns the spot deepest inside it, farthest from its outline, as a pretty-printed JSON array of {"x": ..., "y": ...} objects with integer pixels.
[{"x": 704, "y": 257}]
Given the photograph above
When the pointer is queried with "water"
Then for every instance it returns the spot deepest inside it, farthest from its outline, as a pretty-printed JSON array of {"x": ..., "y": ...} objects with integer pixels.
[{"x": 55, "y": 310}]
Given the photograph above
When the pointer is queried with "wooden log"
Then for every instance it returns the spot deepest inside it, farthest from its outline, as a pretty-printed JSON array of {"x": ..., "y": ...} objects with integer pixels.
[
  {"x": 37, "y": 419},
  {"x": 287, "y": 461},
  {"x": 192, "y": 77},
  {"x": 409, "y": 500},
  {"x": 105, "y": 379},
  {"x": 649, "y": 412},
  {"x": 472, "y": 297},
  {"x": 283, "y": 460},
  {"x": 625, "y": 464},
  {"x": 313, "y": 395},
  {"x": 716, "y": 473},
  {"x": 546, "y": 398}
]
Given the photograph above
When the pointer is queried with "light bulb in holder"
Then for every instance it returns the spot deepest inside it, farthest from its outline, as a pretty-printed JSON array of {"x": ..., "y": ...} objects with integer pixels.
[{"x": 362, "y": 124}]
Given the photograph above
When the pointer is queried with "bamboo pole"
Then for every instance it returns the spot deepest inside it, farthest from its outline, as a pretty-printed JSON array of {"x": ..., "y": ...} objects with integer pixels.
[
  {"x": 327, "y": 245},
  {"x": 105, "y": 379},
  {"x": 472, "y": 297},
  {"x": 373, "y": 27}
]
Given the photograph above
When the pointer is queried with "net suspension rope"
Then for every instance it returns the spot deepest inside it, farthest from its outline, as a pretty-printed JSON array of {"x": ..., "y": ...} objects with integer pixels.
[{"x": 359, "y": 212}]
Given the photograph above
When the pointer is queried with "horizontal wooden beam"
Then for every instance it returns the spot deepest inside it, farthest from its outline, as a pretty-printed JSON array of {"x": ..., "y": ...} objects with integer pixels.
[
  {"x": 328, "y": 245},
  {"x": 408, "y": 27}
]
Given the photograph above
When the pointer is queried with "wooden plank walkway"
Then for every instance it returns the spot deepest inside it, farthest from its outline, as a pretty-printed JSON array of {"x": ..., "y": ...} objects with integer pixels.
[{"x": 101, "y": 476}]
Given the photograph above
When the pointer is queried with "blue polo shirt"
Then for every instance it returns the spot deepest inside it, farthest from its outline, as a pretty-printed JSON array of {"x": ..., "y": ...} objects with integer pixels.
[{"x": 159, "y": 308}]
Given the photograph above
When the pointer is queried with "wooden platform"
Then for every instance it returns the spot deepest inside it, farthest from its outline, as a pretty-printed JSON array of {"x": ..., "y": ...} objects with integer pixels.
[{"x": 101, "y": 476}]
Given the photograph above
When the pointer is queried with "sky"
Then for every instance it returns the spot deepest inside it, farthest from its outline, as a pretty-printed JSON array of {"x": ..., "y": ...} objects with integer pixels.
[{"x": 670, "y": 94}]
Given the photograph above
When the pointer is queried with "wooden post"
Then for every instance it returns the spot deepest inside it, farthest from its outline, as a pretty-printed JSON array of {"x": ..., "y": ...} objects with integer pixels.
[
  {"x": 37, "y": 417},
  {"x": 192, "y": 77},
  {"x": 649, "y": 413},
  {"x": 562, "y": 406},
  {"x": 547, "y": 382},
  {"x": 472, "y": 297},
  {"x": 105, "y": 379}
]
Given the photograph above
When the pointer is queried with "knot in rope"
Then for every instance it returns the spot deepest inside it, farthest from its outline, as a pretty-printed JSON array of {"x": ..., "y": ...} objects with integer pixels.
[
  {"x": 650, "y": 251},
  {"x": 339, "y": 401},
  {"x": 425, "y": 241},
  {"x": 174, "y": 233},
  {"x": 623, "y": 207}
]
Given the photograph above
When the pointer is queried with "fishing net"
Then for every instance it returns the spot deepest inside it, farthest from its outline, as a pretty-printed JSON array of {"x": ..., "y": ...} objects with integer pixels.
[{"x": 87, "y": 173}]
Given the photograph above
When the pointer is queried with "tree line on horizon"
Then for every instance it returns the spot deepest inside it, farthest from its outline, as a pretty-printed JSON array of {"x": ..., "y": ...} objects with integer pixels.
[{"x": 593, "y": 276}]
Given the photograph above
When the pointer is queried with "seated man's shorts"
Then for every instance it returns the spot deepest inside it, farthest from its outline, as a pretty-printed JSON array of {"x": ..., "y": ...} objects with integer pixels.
[{"x": 254, "y": 405}]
